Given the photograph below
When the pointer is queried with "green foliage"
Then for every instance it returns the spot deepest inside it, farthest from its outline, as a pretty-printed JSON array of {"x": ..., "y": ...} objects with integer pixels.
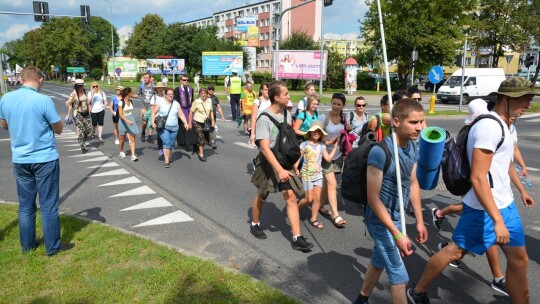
[
  {"x": 96, "y": 73},
  {"x": 299, "y": 40},
  {"x": 143, "y": 40},
  {"x": 433, "y": 28},
  {"x": 260, "y": 77},
  {"x": 335, "y": 71},
  {"x": 364, "y": 81}
]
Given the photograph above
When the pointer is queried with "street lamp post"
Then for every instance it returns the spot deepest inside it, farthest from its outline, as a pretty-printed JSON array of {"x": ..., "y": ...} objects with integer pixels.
[{"x": 112, "y": 46}]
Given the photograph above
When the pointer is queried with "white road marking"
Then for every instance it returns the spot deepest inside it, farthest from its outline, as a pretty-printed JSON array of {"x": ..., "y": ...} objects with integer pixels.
[
  {"x": 111, "y": 173},
  {"x": 531, "y": 115},
  {"x": 245, "y": 145},
  {"x": 97, "y": 153},
  {"x": 5, "y": 139},
  {"x": 536, "y": 228},
  {"x": 532, "y": 120},
  {"x": 137, "y": 191},
  {"x": 101, "y": 158},
  {"x": 105, "y": 165},
  {"x": 175, "y": 217},
  {"x": 125, "y": 181},
  {"x": 159, "y": 202},
  {"x": 79, "y": 149}
]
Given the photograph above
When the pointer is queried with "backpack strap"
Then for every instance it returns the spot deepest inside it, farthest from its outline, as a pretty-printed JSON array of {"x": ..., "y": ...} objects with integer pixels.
[
  {"x": 480, "y": 117},
  {"x": 387, "y": 155},
  {"x": 276, "y": 123},
  {"x": 351, "y": 117}
]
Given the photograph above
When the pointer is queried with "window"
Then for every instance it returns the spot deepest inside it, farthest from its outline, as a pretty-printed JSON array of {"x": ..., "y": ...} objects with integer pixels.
[
  {"x": 471, "y": 81},
  {"x": 261, "y": 36},
  {"x": 276, "y": 7},
  {"x": 217, "y": 18},
  {"x": 228, "y": 16},
  {"x": 255, "y": 10},
  {"x": 240, "y": 13},
  {"x": 268, "y": 7},
  {"x": 267, "y": 63},
  {"x": 267, "y": 36},
  {"x": 266, "y": 49}
]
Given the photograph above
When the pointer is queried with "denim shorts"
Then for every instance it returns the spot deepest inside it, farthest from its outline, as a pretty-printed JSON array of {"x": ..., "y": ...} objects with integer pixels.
[
  {"x": 385, "y": 254},
  {"x": 309, "y": 185},
  {"x": 474, "y": 231}
]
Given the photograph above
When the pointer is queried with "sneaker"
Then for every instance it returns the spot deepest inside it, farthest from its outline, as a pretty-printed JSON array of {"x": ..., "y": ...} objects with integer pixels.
[
  {"x": 417, "y": 298},
  {"x": 437, "y": 221},
  {"x": 122, "y": 155},
  {"x": 134, "y": 157},
  {"x": 116, "y": 142},
  {"x": 160, "y": 152},
  {"x": 254, "y": 163},
  {"x": 149, "y": 139},
  {"x": 83, "y": 150},
  {"x": 63, "y": 247},
  {"x": 454, "y": 263},
  {"x": 143, "y": 137},
  {"x": 500, "y": 286},
  {"x": 257, "y": 231},
  {"x": 167, "y": 165},
  {"x": 301, "y": 244}
]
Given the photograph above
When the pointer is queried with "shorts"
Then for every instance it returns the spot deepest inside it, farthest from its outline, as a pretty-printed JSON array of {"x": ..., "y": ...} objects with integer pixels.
[
  {"x": 115, "y": 118},
  {"x": 246, "y": 117},
  {"x": 474, "y": 231},
  {"x": 385, "y": 254},
  {"x": 97, "y": 118},
  {"x": 309, "y": 185},
  {"x": 334, "y": 166}
]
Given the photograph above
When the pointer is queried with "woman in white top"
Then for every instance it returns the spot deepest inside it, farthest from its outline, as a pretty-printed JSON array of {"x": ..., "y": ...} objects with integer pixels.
[
  {"x": 97, "y": 100},
  {"x": 201, "y": 110},
  {"x": 169, "y": 108},
  {"x": 127, "y": 124},
  {"x": 259, "y": 105},
  {"x": 334, "y": 124}
]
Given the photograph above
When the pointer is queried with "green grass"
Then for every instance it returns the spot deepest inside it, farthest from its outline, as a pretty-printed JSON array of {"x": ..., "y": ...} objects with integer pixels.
[{"x": 108, "y": 266}]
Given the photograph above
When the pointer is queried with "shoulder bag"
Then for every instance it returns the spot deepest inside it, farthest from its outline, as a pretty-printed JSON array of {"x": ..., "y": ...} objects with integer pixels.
[{"x": 161, "y": 120}]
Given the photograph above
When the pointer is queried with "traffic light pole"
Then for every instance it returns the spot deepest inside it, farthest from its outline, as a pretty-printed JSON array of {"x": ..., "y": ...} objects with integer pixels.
[{"x": 32, "y": 14}]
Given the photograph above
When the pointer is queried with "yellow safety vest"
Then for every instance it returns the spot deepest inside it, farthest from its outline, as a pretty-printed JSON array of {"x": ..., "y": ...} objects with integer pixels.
[{"x": 236, "y": 85}]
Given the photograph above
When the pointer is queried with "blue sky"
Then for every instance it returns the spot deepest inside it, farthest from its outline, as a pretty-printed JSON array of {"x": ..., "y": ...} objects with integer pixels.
[{"x": 339, "y": 18}]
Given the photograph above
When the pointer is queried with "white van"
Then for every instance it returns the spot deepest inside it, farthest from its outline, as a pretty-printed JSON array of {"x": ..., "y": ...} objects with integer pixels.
[{"x": 478, "y": 83}]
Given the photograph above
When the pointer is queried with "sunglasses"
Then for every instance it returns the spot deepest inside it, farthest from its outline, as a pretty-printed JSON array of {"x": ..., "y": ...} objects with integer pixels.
[
  {"x": 417, "y": 99},
  {"x": 361, "y": 105},
  {"x": 95, "y": 87},
  {"x": 184, "y": 79}
]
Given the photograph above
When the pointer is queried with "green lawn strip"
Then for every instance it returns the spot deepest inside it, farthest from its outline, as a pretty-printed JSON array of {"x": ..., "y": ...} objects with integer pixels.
[{"x": 108, "y": 266}]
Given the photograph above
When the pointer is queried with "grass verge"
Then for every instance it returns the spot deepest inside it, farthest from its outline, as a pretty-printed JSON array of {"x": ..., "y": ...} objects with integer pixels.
[{"x": 108, "y": 266}]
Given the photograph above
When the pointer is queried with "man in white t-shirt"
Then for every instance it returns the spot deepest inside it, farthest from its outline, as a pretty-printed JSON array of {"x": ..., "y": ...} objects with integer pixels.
[{"x": 490, "y": 215}]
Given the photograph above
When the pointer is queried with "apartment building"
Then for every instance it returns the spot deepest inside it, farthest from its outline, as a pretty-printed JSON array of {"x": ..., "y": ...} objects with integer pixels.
[
  {"x": 344, "y": 47},
  {"x": 306, "y": 18}
]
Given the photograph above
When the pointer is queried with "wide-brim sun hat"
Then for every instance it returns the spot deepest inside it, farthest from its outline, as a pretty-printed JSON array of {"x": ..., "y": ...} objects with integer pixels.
[
  {"x": 79, "y": 82},
  {"x": 121, "y": 88},
  {"x": 159, "y": 85},
  {"x": 317, "y": 125},
  {"x": 476, "y": 107},
  {"x": 516, "y": 87}
]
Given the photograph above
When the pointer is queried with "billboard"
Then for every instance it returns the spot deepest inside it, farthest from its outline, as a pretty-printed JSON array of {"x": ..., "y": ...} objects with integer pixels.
[
  {"x": 252, "y": 58},
  {"x": 301, "y": 64},
  {"x": 222, "y": 63},
  {"x": 246, "y": 31},
  {"x": 123, "y": 67},
  {"x": 169, "y": 65}
]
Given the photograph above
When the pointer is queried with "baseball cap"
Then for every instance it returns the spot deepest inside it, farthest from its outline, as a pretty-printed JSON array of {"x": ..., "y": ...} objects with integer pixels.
[
  {"x": 476, "y": 107},
  {"x": 516, "y": 87}
]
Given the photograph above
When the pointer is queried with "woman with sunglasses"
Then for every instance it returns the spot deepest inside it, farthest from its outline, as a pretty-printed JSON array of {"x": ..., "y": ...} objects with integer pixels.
[
  {"x": 334, "y": 123},
  {"x": 78, "y": 102},
  {"x": 97, "y": 100},
  {"x": 358, "y": 118},
  {"x": 114, "y": 111},
  {"x": 167, "y": 107}
]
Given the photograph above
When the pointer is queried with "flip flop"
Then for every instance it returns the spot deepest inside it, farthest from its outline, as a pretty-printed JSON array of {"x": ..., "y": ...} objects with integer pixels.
[
  {"x": 339, "y": 222},
  {"x": 324, "y": 212}
]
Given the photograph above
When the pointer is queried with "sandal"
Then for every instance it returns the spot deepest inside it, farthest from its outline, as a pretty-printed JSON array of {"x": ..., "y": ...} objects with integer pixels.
[
  {"x": 316, "y": 224},
  {"x": 339, "y": 222},
  {"x": 324, "y": 212}
]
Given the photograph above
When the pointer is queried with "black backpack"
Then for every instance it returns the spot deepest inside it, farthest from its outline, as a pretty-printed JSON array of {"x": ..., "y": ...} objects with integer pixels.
[
  {"x": 287, "y": 147},
  {"x": 354, "y": 177},
  {"x": 365, "y": 130},
  {"x": 456, "y": 170}
]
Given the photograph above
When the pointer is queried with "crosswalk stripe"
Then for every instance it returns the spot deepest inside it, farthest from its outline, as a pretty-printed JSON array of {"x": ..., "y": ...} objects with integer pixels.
[
  {"x": 125, "y": 181},
  {"x": 159, "y": 202},
  {"x": 533, "y": 120},
  {"x": 5, "y": 139},
  {"x": 101, "y": 158},
  {"x": 97, "y": 153},
  {"x": 175, "y": 217},
  {"x": 137, "y": 191},
  {"x": 79, "y": 149},
  {"x": 105, "y": 165},
  {"x": 245, "y": 145},
  {"x": 111, "y": 173},
  {"x": 530, "y": 115}
]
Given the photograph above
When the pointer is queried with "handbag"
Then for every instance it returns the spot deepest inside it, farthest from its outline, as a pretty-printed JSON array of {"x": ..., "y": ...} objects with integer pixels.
[
  {"x": 207, "y": 122},
  {"x": 161, "y": 120}
]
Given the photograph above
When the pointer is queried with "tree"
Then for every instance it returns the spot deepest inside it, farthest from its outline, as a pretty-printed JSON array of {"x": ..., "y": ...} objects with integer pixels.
[
  {"x": 498, "y": 27},
  {"x": 334, "y": 70},
  {"x": 98, "y": 37},
  {"x": 433, "y": 28},
  {"x": 143, "y": 39}
]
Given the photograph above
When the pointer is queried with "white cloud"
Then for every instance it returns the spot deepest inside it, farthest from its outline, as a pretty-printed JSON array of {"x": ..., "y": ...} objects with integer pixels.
[
  {"x": 124, "y": 31},
  {"x": 346, "y": 36},
  {"x": 15, "y": 31}
]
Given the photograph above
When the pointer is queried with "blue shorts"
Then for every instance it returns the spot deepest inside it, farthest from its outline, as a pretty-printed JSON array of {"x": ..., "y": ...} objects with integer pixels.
[
  {"x": 385, "y": 254},
  {"x": 474, "y": 231}
]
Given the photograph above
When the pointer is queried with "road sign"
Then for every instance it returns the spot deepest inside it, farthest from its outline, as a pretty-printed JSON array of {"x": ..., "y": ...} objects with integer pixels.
[
  {"x": 76, "y": 69},
  {"x": 436, "y": 74},
  {"x": 509, "y": 58},
  {"x": 414, "y": 55}
]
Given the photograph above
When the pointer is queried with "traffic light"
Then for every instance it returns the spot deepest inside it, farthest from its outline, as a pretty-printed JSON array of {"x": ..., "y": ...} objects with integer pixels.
[
  {"x": 85, "y": 14},
  {"x": 328, "y": 2},
  {"x": 529, "y": 60},
  {"x": 41, "y": 9},
  {"x": 4, "y": 65}
]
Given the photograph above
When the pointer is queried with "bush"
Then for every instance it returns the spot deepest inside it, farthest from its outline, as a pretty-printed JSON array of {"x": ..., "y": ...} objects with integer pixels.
[
  {"x": 260, "y": 77},
  {"x": 138, "y": 76},
  {"x": 364, "y": 81},
  {"x": 96, "y": 73}
]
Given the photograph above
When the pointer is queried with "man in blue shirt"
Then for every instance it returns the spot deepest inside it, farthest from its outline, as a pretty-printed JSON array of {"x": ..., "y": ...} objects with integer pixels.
[
  {"x": 382, "y": 214},
  {"x": 32, "y": 120}
]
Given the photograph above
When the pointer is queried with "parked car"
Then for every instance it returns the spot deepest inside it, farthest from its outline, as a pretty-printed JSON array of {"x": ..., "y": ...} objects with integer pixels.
[{"x": 477, "y": 83}]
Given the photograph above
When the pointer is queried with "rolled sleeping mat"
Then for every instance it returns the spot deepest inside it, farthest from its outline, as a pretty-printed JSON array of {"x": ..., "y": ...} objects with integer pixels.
[{"x": 431, "y": 148}]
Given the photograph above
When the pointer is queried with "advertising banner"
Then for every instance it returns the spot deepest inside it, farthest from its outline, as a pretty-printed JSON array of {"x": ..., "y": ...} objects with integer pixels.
[
  {"x": 169, "y": 66},
  {"x": 253, "y": 36},
  {"x": 222, "y": 63},
  {"x": 122, "y": 67},
  {"x": 301, "y": 64},
  {"x": 246, "y": 31}
]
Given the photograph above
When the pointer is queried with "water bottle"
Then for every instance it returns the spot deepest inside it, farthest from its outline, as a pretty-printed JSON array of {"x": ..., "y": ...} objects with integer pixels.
[{"x": 525, "y": 180}]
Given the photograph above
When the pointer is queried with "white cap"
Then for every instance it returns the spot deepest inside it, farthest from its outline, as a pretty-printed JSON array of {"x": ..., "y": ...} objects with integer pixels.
[
  {"x": 476, "y": 107},
  {"x": 234, "y": 71}
]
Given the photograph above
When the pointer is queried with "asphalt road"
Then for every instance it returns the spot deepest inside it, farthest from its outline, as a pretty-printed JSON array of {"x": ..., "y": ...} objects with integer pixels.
[{"x": 204, "y": 209}]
